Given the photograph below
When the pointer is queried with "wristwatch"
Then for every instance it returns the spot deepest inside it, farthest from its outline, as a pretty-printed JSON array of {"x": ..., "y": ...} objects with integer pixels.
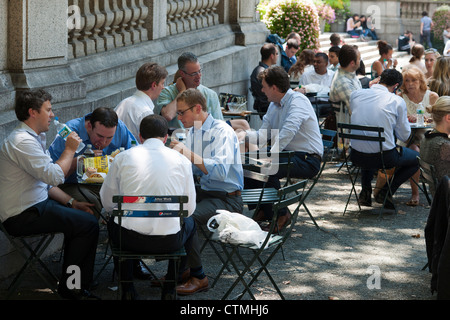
[{"x": 70, "y": 202}]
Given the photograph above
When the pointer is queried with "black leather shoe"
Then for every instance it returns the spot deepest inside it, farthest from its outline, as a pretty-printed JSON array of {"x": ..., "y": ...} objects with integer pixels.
[
  {"x": 140, "y": 272},
  {"x": 389, "y": 201},
  {"x": 365, "y": 198}
]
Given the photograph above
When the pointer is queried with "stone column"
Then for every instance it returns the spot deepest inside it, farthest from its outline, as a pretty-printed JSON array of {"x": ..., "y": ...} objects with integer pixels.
[
  {"x": 242, "y": 16},
  {"x": 156, "y": 20},
  {"x": 37, "y": 48},
  {"x": 6, "y": 88}
]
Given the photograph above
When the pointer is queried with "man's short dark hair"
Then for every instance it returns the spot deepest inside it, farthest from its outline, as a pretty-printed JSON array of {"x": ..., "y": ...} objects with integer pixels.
[
  {"x": 276, "y": 75},
  {"x": 149, "y": 73},
  {"x": 185, "y": 58},
  {"x": 335, "y": 39},
  {"x": 335, "y": 49},
  {"x": 322, "y": 55},
  {"x": 390, "y": 77},
  {"x": 106, "y": 116},
  {"x": 153, "y": 126},
  {"x": 267, "y": 50},
  {"x": 347, "y": 54},
  {"x": 30, "y": 99},
  {"x": 292, "y": 43}
]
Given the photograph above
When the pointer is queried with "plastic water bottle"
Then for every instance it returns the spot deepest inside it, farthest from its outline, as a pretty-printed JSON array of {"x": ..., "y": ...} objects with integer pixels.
[
  {"x": 89, "y": 153},
  {"x": 133, "y": 143},
  {"x": 420, "y": 115},
  {"x": 63, "y": 130}
]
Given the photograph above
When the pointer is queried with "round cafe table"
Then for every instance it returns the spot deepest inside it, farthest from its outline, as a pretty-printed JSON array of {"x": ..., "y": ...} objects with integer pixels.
[{"x": 415, "y": 128}]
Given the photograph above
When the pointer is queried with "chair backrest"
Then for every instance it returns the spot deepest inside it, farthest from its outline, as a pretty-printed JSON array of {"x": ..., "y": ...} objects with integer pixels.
[
  {"x": 289, "y": 195},
  {"x": 327, "y": 139},
  {"x": 428, "y": 173},
  {"x": 376, "y": 137},
  {"x": 268, "y": 163},
  {"x": 143, "y": 206}
]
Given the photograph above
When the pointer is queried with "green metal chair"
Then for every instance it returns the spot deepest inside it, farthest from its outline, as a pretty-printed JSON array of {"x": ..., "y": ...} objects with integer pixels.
[
  {"x": 142, "y": 207},
  {"x": 428, "y": 177},
  {"x": 260, "y": 257},
  {"x": 345, "y": 132},
  {"x": 31, "y": 249}
]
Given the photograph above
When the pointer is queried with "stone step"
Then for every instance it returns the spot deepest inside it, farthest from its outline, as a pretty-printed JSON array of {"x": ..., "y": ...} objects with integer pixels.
[{"x": 368, "y": 49}]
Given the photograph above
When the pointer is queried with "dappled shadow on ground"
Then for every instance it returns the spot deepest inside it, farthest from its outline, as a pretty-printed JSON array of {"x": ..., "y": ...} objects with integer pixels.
[{"x": 356, "y": 256}]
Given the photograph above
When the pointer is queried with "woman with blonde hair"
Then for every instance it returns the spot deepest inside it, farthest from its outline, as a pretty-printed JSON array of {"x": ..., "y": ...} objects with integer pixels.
[
  {"x": 440, "y": 82},
  {"x": 414, "y": 91},
  {"x": 435, "y": 147},
  {"x": 431, "y": 55}
]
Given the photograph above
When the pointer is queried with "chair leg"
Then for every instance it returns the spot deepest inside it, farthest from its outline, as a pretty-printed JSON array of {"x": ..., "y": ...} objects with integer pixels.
[{"x": 35, "y": 256}]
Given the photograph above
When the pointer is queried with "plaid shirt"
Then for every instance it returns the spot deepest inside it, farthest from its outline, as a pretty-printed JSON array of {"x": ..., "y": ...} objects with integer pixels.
[{"x": 342, "y": 86}]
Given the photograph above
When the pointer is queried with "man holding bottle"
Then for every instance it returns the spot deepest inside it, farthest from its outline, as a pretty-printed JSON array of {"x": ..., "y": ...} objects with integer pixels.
[{"x": 31, "y": 201}]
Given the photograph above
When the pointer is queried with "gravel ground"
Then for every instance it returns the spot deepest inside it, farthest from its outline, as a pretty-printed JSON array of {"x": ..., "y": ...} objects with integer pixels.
[{"x": 339, "y": 261}]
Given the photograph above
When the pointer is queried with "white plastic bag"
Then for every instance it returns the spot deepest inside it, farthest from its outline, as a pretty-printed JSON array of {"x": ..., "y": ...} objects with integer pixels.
[{"x": 236, "y": 228}]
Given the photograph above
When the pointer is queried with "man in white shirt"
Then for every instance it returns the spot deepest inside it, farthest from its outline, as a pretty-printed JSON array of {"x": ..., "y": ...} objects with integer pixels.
[
  {"x": 292, "y": 115},
  {"x": 150, "y": 80},
  {"x": 31, "y": 201},
  {"x": 165, "y": 172},
  {"x": 320, "y": 75},
  {"x": 380, "y": 106}
]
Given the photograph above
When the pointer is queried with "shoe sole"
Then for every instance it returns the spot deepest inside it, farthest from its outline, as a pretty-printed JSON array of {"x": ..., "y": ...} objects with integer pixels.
[{"x": 191, "y": 293}]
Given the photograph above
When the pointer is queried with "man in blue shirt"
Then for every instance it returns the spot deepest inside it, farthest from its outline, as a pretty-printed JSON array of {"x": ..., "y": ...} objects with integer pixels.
[
  {"x": 106, "y": 133},
  {"x": 425, "y": 30},
  {"x": 213, "y": 148}
]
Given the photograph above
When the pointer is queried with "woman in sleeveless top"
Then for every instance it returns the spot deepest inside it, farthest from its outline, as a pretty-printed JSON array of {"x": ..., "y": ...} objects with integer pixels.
[
  {"x": 385, "y": 61},
  {"x": 414, "y": 91}
]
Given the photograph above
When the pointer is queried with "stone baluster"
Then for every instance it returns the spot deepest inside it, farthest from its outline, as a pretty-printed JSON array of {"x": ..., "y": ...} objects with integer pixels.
[
  {"x": 190, "y": 7},
  {"x": 125, "y": 21},
  {"x": 86, "y": 31},
  {"x": 213, "y": 11},
  {"x": 178, "y": 16},
  {"x": 141, "y": 21},
  {"x": 196, "y": 12},
  {"x": 118, "y": 17},
  {"x": 132, "y": 25},
  {"x": 171, "y": 9},
  {"x": 76, "y": 47},
  {"x": 106, "y": 30},
  {"x": 100, "y": 19},
  {"x": 202, "y": 12}
]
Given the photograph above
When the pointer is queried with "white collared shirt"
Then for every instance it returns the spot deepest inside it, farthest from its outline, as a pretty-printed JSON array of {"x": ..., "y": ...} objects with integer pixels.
[
  {"x": 324, "y": 80},
  {"x": 26, "y": 171},
  {"x": 379, "y": 107},
  {"x": 150, "y": 169},
  {"x": 296, "y": 122},
  {"x": 133, "y": 109}
]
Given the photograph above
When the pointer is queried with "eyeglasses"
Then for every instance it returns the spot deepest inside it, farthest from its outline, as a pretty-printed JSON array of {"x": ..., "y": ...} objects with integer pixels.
[
  {"x": 181, "y": 113},
  {"x": 193, "y": 74}
]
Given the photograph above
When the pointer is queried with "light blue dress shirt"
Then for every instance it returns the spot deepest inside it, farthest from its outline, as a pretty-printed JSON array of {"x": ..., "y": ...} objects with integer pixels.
[
  {"x": 218, "y": 145},
  {"x": 122, "y": 138}
]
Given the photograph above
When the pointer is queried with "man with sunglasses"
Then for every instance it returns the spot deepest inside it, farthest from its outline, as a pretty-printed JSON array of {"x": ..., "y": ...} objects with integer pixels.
[
  {"x": 190, "y": 74},
  {"x": 214, "y": 151}
]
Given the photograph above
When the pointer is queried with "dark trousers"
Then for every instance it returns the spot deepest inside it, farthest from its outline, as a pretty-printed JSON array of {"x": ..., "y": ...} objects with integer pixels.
[
  {"x": 405, "y": 162},
  {"x": 134, "y": 241},
  {"x": 304, "y": 167},
  {"x": 80, "y": 231}
]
